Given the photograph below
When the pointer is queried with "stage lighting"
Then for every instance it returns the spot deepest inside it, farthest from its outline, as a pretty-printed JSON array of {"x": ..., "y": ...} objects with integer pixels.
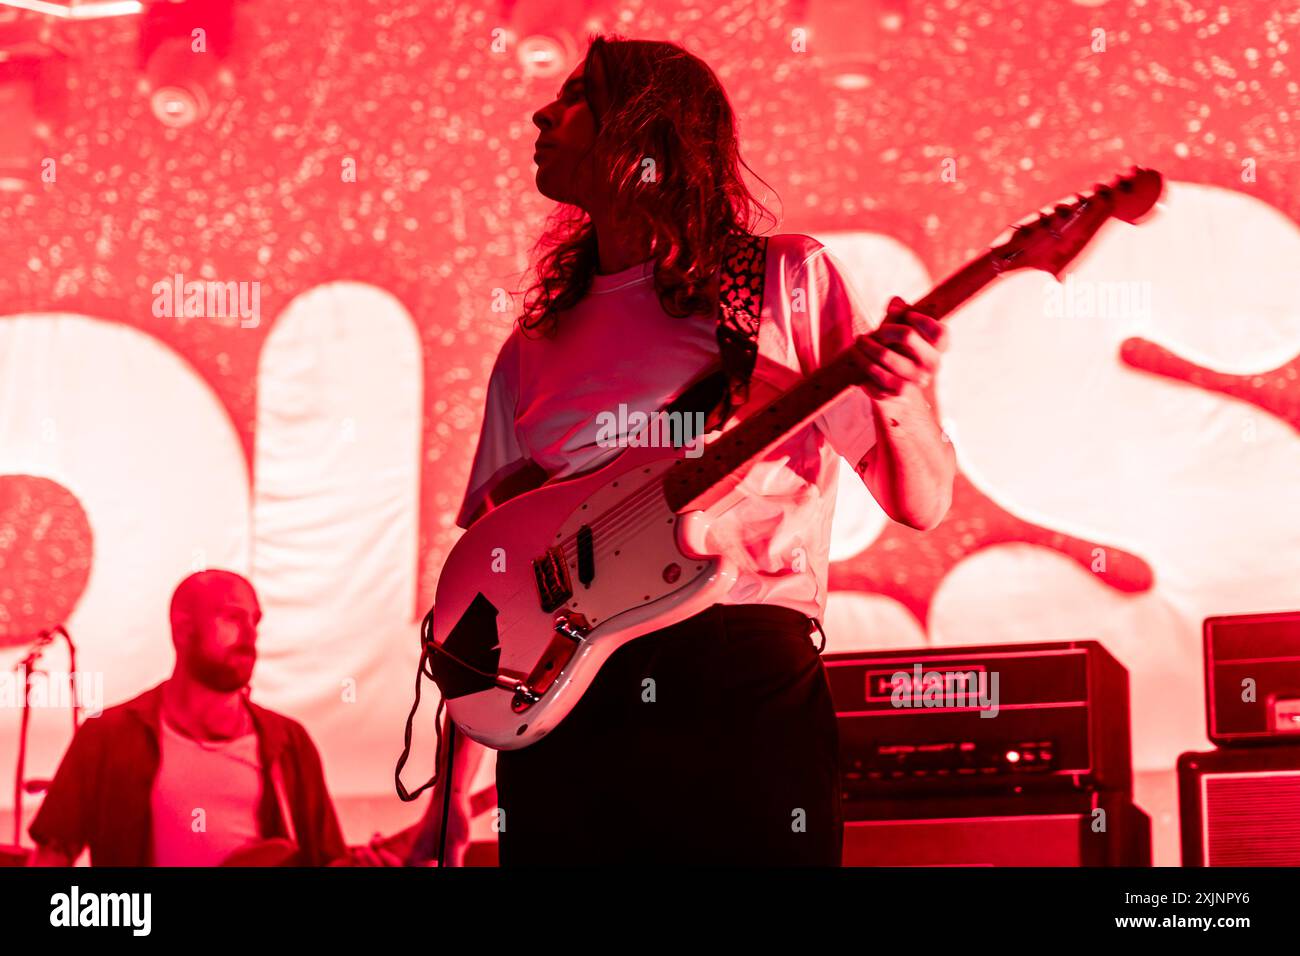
[
  {"x": 847, "y": 37},
  {"x": 33, "y": 101},
  {"x": 544, "y": 33},
  {"x": 846, "y": 78},
  {"x": 544, "y": 55},
  {"x": 176, "y": 80},
  {"x": 79, "y": 9},
  {"x": 182, "y": 46}
]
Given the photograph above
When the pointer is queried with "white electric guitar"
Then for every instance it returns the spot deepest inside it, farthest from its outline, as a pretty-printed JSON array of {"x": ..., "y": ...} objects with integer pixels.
[{"x": 540, "y": 591}]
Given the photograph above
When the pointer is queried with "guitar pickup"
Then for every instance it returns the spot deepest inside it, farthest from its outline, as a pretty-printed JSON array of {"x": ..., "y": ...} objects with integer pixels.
[
  {"x": 586, "y": 556},
  {"x": 554, "y": 587}
]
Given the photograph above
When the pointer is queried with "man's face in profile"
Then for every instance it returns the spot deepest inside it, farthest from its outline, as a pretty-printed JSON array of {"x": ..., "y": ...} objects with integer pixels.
[{"x": 219, "y": 649}]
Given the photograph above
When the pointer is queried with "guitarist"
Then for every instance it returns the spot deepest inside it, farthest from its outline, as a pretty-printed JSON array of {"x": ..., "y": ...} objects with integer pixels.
[
  {"x": 191, "y": 773},
  {"x": 712, "y": 740}
]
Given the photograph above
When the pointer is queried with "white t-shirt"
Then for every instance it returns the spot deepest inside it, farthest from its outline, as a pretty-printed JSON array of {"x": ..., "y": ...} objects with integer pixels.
[
  {"x": 618, "y": 345},
  {"x": 221, "y": 779}
]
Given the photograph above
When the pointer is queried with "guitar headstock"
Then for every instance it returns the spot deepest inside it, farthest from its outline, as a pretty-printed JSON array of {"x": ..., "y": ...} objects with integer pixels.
[{"x": 1051, "y": 241}]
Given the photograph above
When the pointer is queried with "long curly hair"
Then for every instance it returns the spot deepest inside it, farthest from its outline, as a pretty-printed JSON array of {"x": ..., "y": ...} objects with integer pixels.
[{"x": 667, "y": 105}]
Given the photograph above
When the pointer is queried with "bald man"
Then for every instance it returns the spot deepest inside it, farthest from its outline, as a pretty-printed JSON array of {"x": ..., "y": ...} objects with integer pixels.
[{"x": 192, "y": 773}]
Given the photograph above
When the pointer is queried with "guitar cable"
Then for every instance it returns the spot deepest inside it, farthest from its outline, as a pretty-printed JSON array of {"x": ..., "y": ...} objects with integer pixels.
[
  {"x": 425, "y": 669},
  {"x": 446, "y": 796},
  {"x": 403, "y": 794}
]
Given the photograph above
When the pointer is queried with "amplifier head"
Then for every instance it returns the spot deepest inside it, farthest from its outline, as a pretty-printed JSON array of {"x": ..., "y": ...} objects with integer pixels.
[
  {"x": 1252, "y": 678},
  {"x": 990, "y": 718}
]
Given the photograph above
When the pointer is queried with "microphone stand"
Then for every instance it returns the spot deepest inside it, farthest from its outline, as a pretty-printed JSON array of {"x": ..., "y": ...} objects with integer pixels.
[{"x": 28, "y": 664}]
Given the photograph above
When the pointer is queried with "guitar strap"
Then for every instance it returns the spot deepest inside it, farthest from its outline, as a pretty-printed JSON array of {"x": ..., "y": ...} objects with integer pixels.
[{"x": 740, "y": 306}]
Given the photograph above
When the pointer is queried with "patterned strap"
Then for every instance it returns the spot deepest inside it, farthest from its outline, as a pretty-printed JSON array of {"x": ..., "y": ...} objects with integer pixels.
[
  {"x": 740, "y": 307},
  {"x": 740, "y": 300}
]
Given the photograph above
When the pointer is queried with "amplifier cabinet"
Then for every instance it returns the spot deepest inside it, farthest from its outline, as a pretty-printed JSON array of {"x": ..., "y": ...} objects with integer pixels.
[
  {"x": 1240, "y": 807},
  {"x": 1080, "y": 829}
]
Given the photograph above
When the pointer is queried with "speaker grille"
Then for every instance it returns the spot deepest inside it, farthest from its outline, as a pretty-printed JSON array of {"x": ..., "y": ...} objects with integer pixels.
[{"x": 1252, "y": 819}]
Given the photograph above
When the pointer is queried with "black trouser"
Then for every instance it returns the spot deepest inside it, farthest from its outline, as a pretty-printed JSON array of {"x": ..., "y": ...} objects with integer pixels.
[{"x": 711, "y": 741}]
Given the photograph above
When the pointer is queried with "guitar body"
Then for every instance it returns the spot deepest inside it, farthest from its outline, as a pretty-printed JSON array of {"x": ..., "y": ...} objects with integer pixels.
[{"x": 650, "y": 570}]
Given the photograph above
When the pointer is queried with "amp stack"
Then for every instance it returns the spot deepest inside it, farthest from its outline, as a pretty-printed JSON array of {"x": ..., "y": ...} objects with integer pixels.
[
  {"x": 1239, "y": 805},
  {"x": 996, "y": 755}
]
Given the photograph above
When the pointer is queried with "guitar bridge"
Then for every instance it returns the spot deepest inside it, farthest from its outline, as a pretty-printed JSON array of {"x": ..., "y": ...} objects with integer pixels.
[
  {"x": 571, "y": 628},
  {"x": 554, "y": 587}
]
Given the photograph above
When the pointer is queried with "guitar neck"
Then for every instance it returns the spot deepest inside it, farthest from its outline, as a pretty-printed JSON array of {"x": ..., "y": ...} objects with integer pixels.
[
  {"x": 694, "y": 484},
  {"x": 958, "y": 287}
]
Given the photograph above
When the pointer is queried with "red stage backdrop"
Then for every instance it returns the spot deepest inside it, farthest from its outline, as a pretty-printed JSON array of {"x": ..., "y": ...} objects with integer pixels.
[{"x": 1127, "y": 441}]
